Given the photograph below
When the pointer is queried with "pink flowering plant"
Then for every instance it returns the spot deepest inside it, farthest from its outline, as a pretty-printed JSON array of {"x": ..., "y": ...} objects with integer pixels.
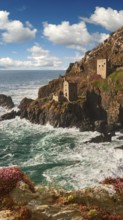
[
  {"x": 116, "y": 182},
  {"x": 10, "y": 176}
]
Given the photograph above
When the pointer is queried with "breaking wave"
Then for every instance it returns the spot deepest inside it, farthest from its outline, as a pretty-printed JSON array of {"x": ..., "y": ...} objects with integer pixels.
[{"x": 56, "y": 156}]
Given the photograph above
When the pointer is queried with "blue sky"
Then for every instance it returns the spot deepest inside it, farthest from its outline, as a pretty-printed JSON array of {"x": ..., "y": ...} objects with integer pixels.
[{"x": 49, "y": 34}]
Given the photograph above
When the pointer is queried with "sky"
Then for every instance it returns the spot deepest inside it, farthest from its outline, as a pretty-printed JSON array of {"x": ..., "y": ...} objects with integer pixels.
[{"x": 50, "y": 34}]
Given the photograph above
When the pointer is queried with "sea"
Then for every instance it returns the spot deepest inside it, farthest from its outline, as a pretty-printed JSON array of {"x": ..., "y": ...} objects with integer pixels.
[{"x": 52, "y": 156}]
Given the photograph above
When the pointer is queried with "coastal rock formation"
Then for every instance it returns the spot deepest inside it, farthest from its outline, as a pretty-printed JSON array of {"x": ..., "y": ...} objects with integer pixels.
[
  {"x": 101, "y": 138},
  {"x": 98, "y": 99},
  {"x": 24, "y": 104},
  {"x": 57, "y": 114},
  {"x": 53, "y": 87},
  {"x": 111, "y": 49},
  {"x": 10, "y": 115},
  {"x": 6, "y": 101},
  {"x": 99, "y": 103},
  {"x": 21, "y": 200}
]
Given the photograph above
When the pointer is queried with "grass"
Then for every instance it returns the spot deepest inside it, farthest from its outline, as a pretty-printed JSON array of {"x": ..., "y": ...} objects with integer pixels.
[
  {"x": 114, "y": 81},
  {"x": 116, "y": 76}
]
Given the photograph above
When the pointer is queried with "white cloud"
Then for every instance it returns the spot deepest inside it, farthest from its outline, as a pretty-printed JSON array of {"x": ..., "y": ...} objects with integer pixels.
[
  {"x": 39, "y": 58},
  {"x": 42, "y": 58},
  {"x": 99, "y": 37},
  {"x": 28, "y": 24},
  {"x": 13, "y": 30},
  {"x": 73, "y": 36},
  {"x": 37, "y": 51},
  {"x": 108, "y": 18}
]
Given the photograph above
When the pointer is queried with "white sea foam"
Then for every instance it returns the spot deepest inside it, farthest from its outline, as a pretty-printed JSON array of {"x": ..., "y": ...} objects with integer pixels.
[
  {"x": 65, "y": 154},
  {"x": 57, "y": 155}
]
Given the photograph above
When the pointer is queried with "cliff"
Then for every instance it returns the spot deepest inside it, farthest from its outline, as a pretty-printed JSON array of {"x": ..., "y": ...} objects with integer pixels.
[
  {"x": 111, "y": 49},
  {"x": 21, "y": 200},
  {"x": 99, "y": 105},
  {"x": 101, "y": 99}
]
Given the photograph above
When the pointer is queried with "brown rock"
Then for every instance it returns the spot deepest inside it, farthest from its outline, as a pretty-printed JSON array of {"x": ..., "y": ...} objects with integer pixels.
[{"x": 6, "y": 101}]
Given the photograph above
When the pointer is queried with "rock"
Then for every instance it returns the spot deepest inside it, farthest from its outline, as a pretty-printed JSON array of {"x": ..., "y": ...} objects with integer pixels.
[
  {"x": 56, "y": 213},
  {"x": 120, "y": 147},
  {"x": 86, "y": 125},
  {"x": 6, "y": 101},
  {"x": 19, "y": 200},
  {"x": 7, "y": 215},
  {"x": 101, "y": 138},
  {"x": 104, "y": 197},
  {"x": 21, "y": 194},
  {"x": 58, "y": 115},
  {"x": 120, "y": 138},
  {"x": 9, "y": 115},
  {"x": 53, "y": 87},
  {"x": 101, "y": 126},
  {"x": 94, "y": 106},
  {"x": 25, "y": 102},
  {"x": 19, "y": 214}
]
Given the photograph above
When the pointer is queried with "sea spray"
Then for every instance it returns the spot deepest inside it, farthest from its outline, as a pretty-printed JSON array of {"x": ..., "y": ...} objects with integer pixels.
[{"x": 53, "y": 156}]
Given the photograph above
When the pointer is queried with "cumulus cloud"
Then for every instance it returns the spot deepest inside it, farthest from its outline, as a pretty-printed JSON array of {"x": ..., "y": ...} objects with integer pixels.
[
  {"x": 109, "y": 18},
  {"x": 39, "y": 58},
  {"x": 75, "y": 36},
  {"x": 42, "y": 58},
  {"x": 13, "y": 30},
  {"x": 28, "y": 24},
  {"x": 99, "y": 37}
]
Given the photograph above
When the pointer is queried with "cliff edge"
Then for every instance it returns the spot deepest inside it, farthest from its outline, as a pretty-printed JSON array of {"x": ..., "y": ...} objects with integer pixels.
[{"x": 111, "y": 49}]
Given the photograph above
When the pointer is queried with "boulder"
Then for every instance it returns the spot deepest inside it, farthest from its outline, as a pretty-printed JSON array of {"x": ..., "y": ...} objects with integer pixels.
[
  {"x": 120, "y": 138},
  {"x": 120, "y": 147},
  {"x": 9, "y": 115},
  {"x": 101, "y": 138},
  {"x": 25, "y": 102},
  {"x": 6, "y": 101},
  {"x": 23, "y": 106}
]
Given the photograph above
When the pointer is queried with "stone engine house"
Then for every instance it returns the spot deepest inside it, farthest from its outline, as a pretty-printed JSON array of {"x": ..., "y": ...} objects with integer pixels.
[
  {"x": 102, "y": 68},
  {"x": 70, "y": 90}
]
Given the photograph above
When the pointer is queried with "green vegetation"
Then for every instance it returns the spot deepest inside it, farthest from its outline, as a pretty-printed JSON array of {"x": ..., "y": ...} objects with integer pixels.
[
  {"x": 116, "y": 76},
  {"x": 113, "y": 82}
]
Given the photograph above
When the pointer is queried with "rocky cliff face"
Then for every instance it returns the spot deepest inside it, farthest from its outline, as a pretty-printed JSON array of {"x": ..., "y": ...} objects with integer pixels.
[
  {"x": 111, "y": 49},
  {"x": 53, "y": 87},
  {"x": 99, "y": 101},
  {"x": 58, "y": 114},
  {"x": 97, "y": 108}
]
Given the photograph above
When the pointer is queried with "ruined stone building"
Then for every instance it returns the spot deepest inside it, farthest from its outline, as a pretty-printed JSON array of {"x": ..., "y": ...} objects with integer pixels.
[
  {"x": 102, "y": 68},
  {"x": 58, "y": 97},
  {"x": 70, "y": 90}
]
